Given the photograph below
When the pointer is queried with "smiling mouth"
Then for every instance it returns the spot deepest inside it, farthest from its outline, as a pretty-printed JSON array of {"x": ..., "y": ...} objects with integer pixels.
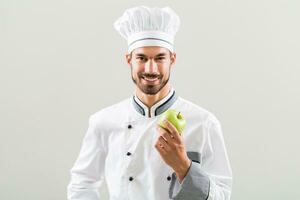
[{"x": 151, "y": 80}]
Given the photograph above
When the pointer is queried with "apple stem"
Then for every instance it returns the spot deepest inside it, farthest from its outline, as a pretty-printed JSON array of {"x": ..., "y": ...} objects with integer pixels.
[{"x": 178, "y": 114}]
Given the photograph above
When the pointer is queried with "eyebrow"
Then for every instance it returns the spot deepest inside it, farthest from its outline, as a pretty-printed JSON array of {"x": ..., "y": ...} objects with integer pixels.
[{"x": 158, "y": 55}]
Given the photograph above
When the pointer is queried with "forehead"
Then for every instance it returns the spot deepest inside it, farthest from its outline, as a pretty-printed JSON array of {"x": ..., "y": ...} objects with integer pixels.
[{"x": 151, "y": 51}]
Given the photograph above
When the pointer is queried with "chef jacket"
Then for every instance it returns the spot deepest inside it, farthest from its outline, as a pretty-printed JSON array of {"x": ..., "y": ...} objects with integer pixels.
[{"x": 118, "y": 150}]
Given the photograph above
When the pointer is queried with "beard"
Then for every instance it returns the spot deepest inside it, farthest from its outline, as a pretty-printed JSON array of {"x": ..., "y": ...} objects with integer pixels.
[{"x": 150, "y": 89}]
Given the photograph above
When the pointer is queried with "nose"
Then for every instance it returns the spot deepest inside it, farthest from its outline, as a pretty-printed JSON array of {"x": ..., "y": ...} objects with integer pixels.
[{"x": 151, "y": 67}]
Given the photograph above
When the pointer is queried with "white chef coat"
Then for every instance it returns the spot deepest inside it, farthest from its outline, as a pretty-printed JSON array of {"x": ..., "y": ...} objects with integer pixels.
[{"x": 118, "y": 149}]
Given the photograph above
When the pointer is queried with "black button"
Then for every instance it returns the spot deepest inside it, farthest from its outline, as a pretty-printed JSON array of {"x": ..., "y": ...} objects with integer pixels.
[
  {"x": 129, "y": 126},
  {"x": 130, "y": 178},
  {"x": 128, "y": 153},
  {"x": 168, "y": 178}
]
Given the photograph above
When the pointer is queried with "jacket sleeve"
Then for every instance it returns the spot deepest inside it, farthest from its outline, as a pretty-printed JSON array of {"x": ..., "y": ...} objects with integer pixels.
[
  {"x": 87, "y": 172},
  {"x": 212, "y": 178}
]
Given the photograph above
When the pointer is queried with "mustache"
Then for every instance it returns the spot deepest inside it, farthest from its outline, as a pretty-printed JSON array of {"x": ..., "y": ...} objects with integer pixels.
[{"x": 147, "y": 75}]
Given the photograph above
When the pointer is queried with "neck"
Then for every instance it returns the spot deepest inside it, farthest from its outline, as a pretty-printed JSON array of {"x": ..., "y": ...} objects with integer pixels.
[{"x": 150, "y": 100}]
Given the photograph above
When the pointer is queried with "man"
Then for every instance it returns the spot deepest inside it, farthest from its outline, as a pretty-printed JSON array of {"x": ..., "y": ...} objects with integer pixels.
[{"x": 126, "y": 149}]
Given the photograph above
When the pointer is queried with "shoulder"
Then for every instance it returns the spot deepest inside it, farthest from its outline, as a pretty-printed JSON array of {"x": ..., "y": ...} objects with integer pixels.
[
  {"x": 200, "y": 113},
  {"x": 110, "y": 113}
]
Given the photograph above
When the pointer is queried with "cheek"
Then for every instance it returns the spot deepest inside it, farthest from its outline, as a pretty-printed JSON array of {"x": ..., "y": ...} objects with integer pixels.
[
  {"x": 136, "y": 66},
  {"x": 135, "y": 72},
  {"x": 165, "y": 70}
]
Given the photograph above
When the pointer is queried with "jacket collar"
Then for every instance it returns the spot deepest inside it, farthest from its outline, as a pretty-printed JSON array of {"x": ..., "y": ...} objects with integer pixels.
[{"x": 158, "y": 108}]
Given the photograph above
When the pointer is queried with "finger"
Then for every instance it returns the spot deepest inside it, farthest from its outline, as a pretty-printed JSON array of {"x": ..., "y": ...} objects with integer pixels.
[
  {"x": 162, "y": 130},
  {"x": 169, "y": 137},
  {"x": 160, "y": 148},
  {"x": 172, "y": 129},
  {"x": 164, "y": 144}
]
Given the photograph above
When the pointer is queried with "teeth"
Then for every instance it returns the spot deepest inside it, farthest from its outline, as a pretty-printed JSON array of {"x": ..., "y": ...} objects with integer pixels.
[{"x": 150, "y": 79}]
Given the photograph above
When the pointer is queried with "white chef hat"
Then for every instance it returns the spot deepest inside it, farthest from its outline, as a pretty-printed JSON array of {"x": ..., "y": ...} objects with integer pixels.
[{"x": 144, "y": 26}]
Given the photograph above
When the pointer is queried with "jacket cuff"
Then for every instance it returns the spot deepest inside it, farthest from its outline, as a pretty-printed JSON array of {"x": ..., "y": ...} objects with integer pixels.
[{"x": 195, "y": 185}]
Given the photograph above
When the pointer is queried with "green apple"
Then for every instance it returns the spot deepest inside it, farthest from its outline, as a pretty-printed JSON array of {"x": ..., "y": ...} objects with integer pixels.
[{"x": 175, "y": 117}]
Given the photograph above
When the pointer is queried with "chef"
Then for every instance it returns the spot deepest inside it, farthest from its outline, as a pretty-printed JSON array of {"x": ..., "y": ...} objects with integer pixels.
[{"x": 126, "y": 150}]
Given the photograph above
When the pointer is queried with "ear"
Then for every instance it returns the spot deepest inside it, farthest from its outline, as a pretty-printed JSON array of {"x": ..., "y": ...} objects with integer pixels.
[
  {"x": 128, "y": 58},
  {"x": 173, "y": 58}
]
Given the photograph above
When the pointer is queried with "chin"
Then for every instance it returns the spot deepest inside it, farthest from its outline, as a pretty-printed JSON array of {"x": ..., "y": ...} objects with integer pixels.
[{"x": 150, "y": 90}]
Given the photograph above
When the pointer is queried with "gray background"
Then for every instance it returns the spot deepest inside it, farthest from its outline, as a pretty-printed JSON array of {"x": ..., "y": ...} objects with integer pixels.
[{"x": 61, "y": 61}]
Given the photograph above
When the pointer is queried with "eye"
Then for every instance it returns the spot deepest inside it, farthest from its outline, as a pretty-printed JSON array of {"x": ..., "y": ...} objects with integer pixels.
[
  {"x": 160, "y": 58},
  {"x": 141, "y": 58}
]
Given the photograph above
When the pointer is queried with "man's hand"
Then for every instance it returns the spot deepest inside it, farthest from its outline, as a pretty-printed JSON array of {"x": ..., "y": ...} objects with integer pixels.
[{"x": 171, "y": 148}]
